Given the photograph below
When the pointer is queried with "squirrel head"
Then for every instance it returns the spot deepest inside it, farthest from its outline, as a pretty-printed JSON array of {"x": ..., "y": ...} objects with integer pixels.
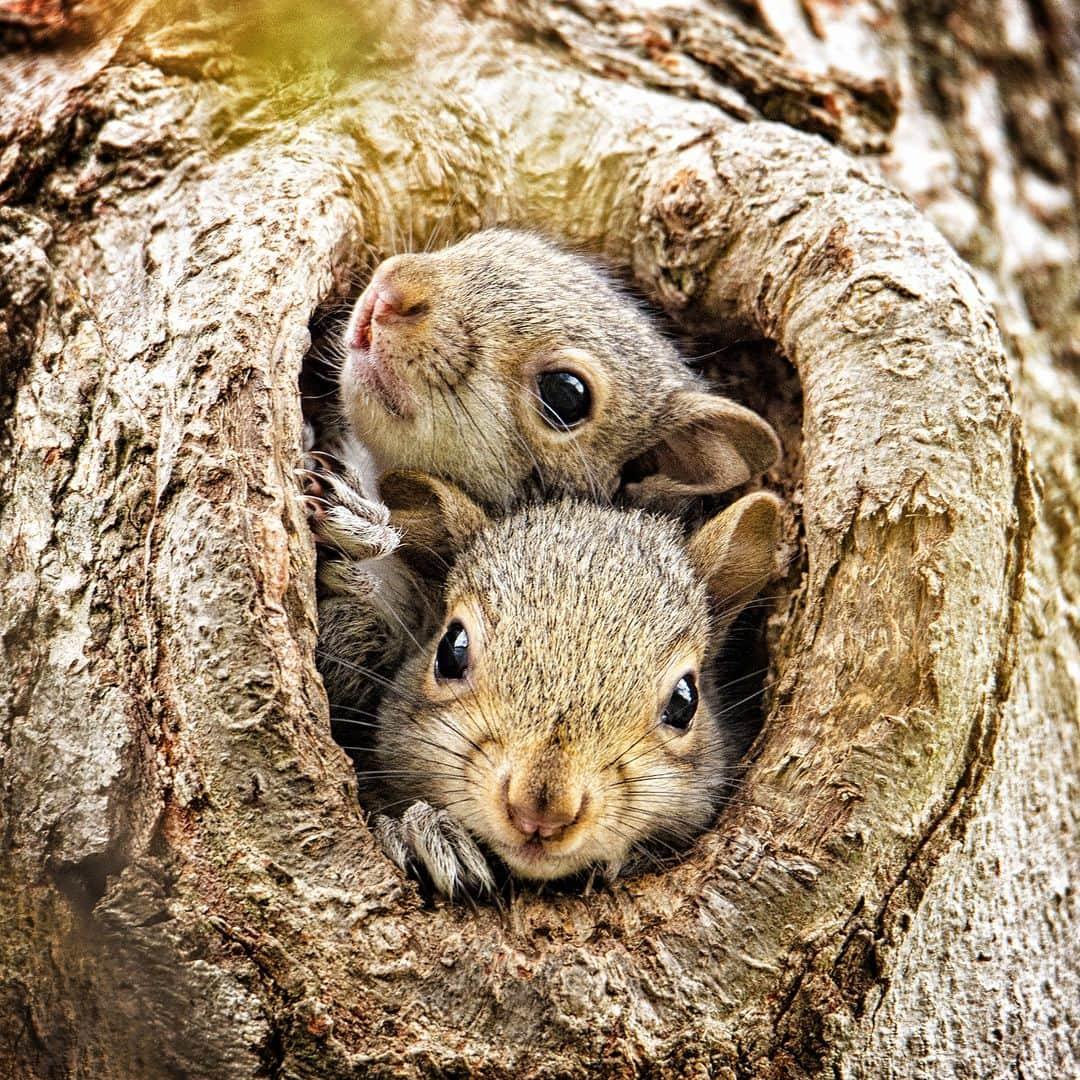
[
  {"x": 564, "y": 711},
  {"x": 513, "y": 368}
]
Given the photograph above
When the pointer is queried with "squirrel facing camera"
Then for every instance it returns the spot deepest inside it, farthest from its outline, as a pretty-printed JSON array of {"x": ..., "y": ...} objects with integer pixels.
[
  {"x": 518, "y": 370},
  {"x": 563, "y": 713}
]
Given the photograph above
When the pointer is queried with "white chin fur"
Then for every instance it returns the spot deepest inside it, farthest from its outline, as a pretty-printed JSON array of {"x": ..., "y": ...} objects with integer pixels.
[{"x": 548, "y": 869}]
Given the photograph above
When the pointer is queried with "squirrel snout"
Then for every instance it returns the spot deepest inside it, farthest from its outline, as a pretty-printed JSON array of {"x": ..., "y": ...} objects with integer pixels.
[
  {"x": 384, "y": 301},
  {"x": 387, "y": 301},
  {"x": 552, "y": 819}
]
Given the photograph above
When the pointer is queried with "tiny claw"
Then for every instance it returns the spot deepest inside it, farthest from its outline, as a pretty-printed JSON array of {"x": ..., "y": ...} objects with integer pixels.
[
  {"x": 316, "y": 507},
  {"x": 327, "y": 460},
  {"x": 306, "y": 476}
]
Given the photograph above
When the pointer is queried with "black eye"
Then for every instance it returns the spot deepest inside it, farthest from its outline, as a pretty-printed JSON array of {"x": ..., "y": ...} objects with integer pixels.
[
  {"x": 682, "y": 704},
  {"x": 452, "y": 655},
  {"x": 564, "y": 399}
]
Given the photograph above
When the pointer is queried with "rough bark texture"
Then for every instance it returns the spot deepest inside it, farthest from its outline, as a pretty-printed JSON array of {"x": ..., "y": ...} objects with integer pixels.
[{"x": 187, "y": 886}]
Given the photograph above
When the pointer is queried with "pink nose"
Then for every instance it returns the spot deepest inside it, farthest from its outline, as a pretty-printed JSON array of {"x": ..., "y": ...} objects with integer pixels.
[
  {"x": 388, "y": 301},
  {"x": 530, "y": 820},
  {"x": 381, "y": 303}
]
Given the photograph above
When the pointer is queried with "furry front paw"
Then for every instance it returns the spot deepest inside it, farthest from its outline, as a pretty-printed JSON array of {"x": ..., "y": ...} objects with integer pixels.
[
  {"x": 427, "y": 842},
  {"x": 341, "y": 513}
]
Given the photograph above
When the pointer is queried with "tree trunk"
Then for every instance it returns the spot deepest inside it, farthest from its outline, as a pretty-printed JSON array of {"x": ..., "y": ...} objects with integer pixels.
[{"x": 187, "y": 885}]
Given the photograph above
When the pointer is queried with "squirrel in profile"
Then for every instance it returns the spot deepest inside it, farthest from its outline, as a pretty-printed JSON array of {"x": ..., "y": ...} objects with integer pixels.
[
  {"x": 517, "y": 371},
  {"x": 563, "y": 713}
]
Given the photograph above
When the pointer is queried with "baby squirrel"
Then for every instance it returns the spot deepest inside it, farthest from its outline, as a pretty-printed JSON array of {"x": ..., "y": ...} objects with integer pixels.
[
  {"x": 515, "y": 370},
  {"x": 563, "y": 712}
]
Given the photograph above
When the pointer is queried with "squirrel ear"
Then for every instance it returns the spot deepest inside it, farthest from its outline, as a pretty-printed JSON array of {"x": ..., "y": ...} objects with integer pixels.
[
  {"x": 735, "y": 553},
  {"x": 436, "y": 519},
  {"x": 709, "y": 445}
]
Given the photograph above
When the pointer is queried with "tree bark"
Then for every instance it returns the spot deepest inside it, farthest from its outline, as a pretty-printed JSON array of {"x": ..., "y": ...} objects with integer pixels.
[{"x": 187, "y": 885}]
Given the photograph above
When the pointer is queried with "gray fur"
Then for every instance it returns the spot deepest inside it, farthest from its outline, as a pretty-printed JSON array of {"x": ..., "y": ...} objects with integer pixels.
[
  {"x": 489, "y": 311},
  {"x": 583, "y": 609}
]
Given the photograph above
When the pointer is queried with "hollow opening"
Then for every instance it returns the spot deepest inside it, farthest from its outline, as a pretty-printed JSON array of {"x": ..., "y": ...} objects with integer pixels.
[{"x": 753, "y": 373}]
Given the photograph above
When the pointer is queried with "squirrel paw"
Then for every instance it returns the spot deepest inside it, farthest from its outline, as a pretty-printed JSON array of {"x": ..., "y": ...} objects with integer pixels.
[
  {"x": 340, "y": 515},
  {"x": 428, "y": 842},
  {"x": 344, "y": 577}
]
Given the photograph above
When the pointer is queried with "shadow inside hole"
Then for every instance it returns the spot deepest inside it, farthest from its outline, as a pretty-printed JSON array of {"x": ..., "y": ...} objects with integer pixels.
[
  {"x": 740, "y": 672},
  {"x": 318, "y": 372}
]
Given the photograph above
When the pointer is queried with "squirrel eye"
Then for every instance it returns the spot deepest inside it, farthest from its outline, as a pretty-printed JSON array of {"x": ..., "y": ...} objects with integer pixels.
[
  {"x": 565, "y": 400},
  {"x": 452, "y": 655},
  {"x": 682, "y": 704}
]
